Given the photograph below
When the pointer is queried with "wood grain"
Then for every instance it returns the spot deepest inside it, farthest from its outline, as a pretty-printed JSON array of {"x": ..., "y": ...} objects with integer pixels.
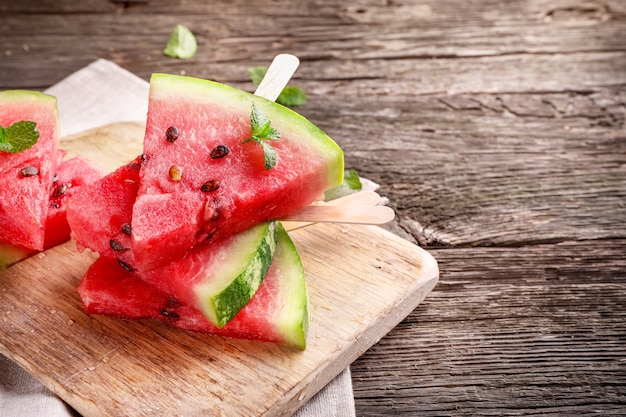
[
  {"x": 495, "y": 128},
  {"x": 536, "y": 329}
]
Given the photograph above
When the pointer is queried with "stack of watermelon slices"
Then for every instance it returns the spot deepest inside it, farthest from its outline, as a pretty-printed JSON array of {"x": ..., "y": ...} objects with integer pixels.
[
  {"x": 187, "y": 232},
  {"x": 37, "y": 180}
]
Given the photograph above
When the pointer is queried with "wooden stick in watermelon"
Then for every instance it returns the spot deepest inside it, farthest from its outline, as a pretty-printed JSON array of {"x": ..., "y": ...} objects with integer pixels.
[{"x": 277, "y": 77}]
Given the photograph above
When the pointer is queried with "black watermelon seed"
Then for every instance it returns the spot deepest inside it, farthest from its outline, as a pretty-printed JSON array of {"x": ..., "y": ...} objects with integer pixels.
[
  {"x": 59, "y": 190},
  {"x": 117, "y": 246},
  {"x": 171, "y": 134},
  {"x": 171, "y": 314},
  {"x": 125, "y": 265},
  {"x": 210, "y": 186},
  {"x": 29, "y": 171},
  {"x": 172, "y": 302},
  {"x": 219, "y": 151},
  {"x": 127, "y": 229}
]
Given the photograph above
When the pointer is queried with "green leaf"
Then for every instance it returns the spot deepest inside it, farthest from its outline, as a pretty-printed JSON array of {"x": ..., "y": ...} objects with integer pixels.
[
  {"x": 273, "y": 134},
  {"x": 269, "y": 155},
  {"x": 291, "y": 97},
  {"x": 182, "y": 43},
  {"x": 259, "y": 121},
  {"x": 256, "y": 74},
  {"x": 262, "y": 131},
  {"x": 19, "y": 136},
  {"x": 351, "y": 183}
]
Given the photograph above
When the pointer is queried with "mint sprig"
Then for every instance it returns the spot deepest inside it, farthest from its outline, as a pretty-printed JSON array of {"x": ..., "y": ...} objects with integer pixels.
[
  {"x": 351, "y": 184},
  {"x": 291, "y": 96},
  {"x": 262, "y": 132},
  {"x": 18, "y": 137},
  {"x": 182, "y": 43}
]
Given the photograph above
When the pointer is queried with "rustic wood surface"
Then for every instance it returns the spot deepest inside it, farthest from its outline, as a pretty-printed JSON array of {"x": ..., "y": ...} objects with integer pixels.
[{"x": 496, "y": 129}]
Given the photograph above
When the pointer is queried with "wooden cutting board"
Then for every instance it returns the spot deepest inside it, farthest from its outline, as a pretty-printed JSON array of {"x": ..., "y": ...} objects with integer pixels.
[{"x": 362, "y": 282}]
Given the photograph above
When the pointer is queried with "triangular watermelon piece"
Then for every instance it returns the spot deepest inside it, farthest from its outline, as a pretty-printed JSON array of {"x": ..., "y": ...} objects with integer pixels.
[
  {"x": 217, "y": 279},
  {"x": 201, "y": 182},
  {"x": 100, "y": 214},
  {"x": 278, "y": 313},
  {"x": 70, "y": 176},
  {"x": 24, "y": 204}
]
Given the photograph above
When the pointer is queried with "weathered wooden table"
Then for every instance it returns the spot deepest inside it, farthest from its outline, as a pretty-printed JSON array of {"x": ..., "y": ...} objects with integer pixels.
[{"x": 496, "y": 129}]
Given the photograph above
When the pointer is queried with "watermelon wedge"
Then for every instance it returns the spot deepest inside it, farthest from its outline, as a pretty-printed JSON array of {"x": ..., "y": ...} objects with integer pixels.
[
  {"x": 278, "y": 313},
  {"x": 220, "y": 279},
  {"x": 26, "y": 176},
  {"x": 70, "y": 176},
  {"x": 37, "y": 182},
  {"x": 202, "y": 182},
  {"x": 100, "y": 214}
]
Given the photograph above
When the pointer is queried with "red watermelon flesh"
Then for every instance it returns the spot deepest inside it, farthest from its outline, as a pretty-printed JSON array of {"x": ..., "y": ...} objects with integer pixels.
[
  {"x": 99, "y": 214},
  {"x": 278, "y": 313},
  {"x": 70, "y": 176},
  {"x": 24, "y": 204},
  {"x": 173, "y": 213}
]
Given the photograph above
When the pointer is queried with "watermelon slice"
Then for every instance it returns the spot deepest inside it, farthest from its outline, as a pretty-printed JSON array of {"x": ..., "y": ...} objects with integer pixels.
[
  {"x": 70, "y": 176},
  {"x": 100, "y": 214},
  {"x": 222, "y": 278},
  {"x": 278, "y": 313},
  {"x": 24, "y": 204},
  {"x": 201, "y": 183}
]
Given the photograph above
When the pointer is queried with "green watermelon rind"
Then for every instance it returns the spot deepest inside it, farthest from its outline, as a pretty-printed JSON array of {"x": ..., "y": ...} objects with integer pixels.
[
  {"x": 12, "y": 95},
  {"x": 285, "y": 120},
  {"x": 10, "y": 254},
  {"x": 234, "y": 282},
  {"x": 294, "y": 316}
]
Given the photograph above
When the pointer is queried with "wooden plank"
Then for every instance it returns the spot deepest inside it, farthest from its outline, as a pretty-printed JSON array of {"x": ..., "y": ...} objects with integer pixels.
[
  {"x": 493, "y": 169},
  {"x": 362, "y": 282},
  {"x": 380, "y": 47},
  {"x": 526, "y": 330}
]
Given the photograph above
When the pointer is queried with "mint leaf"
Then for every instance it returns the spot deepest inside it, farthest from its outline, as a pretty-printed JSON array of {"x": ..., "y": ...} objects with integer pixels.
[
  {"x": 262, "y": 131},
  {"x": 269, "y": 155},
  {"x": 351, "y": 183},
  {"x": 290, "y": 96},
  {"x": 259, "y": 121},
  {"x": 256, "y": 74},
  {"x": 182, "y": 44},
  {"x": 18, "y": 137}
]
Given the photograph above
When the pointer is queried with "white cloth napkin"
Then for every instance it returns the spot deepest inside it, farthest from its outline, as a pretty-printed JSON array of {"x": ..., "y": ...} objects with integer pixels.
[{"x": 99, "y": 94}]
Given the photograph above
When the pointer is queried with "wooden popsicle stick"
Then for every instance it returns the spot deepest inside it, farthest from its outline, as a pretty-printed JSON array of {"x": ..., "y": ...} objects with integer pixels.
[
  {"x": 278, "y": 74},
  {"x": 344, "y": 214},
  {"x": 361, "y": 198}
]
